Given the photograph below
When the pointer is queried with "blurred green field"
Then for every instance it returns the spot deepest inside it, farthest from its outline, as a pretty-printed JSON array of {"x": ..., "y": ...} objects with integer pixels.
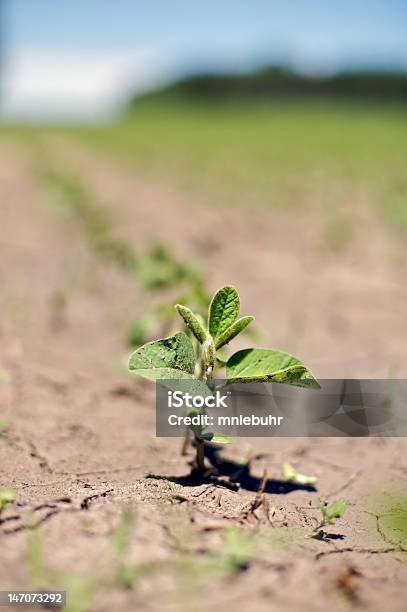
[{"x": 292, "y": 155}]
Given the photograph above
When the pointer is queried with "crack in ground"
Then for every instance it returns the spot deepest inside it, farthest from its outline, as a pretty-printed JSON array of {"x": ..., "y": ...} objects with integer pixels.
[
  {"x": 347, "y": 484},
  {"x": 370, "y": 551},
  {"x": 381, "y": 533},
  {"x": 27, "y": 526},
  {"x": 53, "y": 510},
  {"x": 393, "y": 548},
  {"x": 380, "y": 530},
  {"x": 86, "y": 501},
  {"x": 42, "y": 460},
  {"x": 134, "y": 468},
  {"x": 12, "y": 440}
]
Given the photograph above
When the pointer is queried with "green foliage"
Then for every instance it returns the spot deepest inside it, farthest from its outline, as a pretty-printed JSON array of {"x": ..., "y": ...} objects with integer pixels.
[
  {"x": 291, "y": 475},
  {"x": 126, "y": 573},
  {"x": 277, "y": 82},
  {"x": 74, "y": 198},
  {"x": 34, "y": 559},
  {"x": 331, "y": 512},
  {"x": 80, "y": 589},
  {"x": 223, "y": 311},
  {"x": 7, "y": 496},
  {"x": 192, "y": 322},
  {"x": 353, "y": 148},
  {"x": 174, "y": 357},
  {"x": 232, "y": 331},
  {"x": 240, "y": 547},
  {"x": 268, "y": 364},
  {"x": 122, "y": 535},
  {"x": 168, "y": 358},
  {"x": 111, "y": 569},
  {"x": 160, "y": 268},
  {"x": 156, "y": 271},
  {"x": 237, "y": 550}
]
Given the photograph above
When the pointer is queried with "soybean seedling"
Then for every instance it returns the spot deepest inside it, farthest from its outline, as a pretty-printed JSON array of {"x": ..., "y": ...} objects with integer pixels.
[
  {"x": 175, "y": 358},
  {"x": 330, "y": 513}
]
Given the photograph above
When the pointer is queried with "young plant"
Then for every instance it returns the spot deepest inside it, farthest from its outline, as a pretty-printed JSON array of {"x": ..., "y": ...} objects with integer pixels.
[
  {"x": 330, "y": 512},
  {"x": 175, "y": 358},
  {"x": 291, "y": 475},
  {"x": 7, "y": 496}
]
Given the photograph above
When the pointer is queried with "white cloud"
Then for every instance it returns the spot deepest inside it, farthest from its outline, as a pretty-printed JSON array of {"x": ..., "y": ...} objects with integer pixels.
[
  {"x": 318, "y": 55},
  {"x": 49, "y": 86}
]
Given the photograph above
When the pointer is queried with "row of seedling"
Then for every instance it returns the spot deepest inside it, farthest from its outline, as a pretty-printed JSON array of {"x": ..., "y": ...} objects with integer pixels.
[{"x": 156, "y": 271}]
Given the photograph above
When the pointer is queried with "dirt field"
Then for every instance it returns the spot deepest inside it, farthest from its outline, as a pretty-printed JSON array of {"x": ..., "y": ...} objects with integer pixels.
[{"x": 80, "y": 446}]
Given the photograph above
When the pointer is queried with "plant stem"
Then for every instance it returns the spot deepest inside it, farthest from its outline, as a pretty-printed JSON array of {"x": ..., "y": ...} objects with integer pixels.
[
  {"x": 208, "y": 360},
  {"x": 185, "y": 443},
  {"x": 200, "y": 454}
]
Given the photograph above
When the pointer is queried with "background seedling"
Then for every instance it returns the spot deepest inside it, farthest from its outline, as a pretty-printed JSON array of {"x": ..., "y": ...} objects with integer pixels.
[
  {"x": 111, "y": 569},
  {"x": 81, "y": 589},
  {"x": 330, "y": 513},
  {"x": 176, "y": 358},
  {"x": 291, "y": 475},
  {"x": 237, "y": 550},
  {"x": 127, "y": 573},
  {"x": 7, "y": 496},
  {"x": 4, "y": 423},
  {"x": 156, "y": 271}
]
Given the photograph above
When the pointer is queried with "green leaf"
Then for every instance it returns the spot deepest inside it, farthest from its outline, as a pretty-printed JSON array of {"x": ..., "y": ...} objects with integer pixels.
[
  {"x": 232, "y": 331},
  {"x": 333, "y": 511},
  {"x": 220, "y": 363},
  {"x": 7, "y": 496},
  {"x": 223, "y": 310},
  {"x": 336, "y": 509},
  {"x": 267, "y": 364},
  {"x": 192, "y": 322},
  {"x": 291, "y": 474},
  {"x": 218, "y": 438},
  {"x": 169, "y": 358}
]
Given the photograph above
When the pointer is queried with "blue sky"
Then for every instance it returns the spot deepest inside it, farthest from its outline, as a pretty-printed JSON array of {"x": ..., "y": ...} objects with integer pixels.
[
  {"x": 112, "y": 45},
  {"x": 360, "y": 31}
]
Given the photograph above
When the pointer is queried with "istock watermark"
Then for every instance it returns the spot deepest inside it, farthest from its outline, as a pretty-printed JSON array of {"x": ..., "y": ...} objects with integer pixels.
[
  {"x": 340, "y": 407},
  {"x": 178, "y": 399}
]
